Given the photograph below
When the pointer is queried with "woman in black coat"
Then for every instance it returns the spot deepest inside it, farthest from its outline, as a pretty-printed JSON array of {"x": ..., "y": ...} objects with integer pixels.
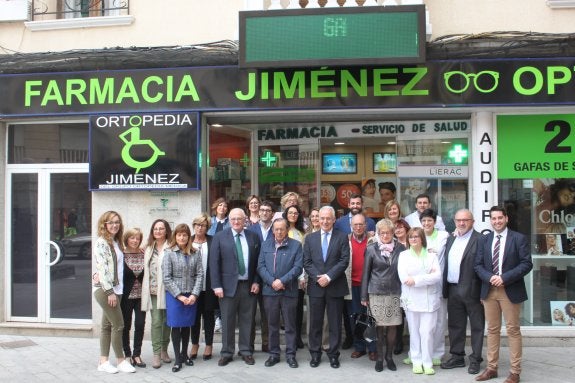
[{"x": 207, "y": 301}]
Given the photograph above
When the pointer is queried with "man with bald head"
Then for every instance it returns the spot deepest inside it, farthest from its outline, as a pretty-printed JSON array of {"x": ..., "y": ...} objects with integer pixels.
[
  {"x": 233, "y": 263},
  {"x": 461, "y": 288}
]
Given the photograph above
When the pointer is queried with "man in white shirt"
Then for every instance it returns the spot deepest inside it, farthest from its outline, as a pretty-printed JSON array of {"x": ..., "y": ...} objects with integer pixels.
[{"x": 422, "y": 202}]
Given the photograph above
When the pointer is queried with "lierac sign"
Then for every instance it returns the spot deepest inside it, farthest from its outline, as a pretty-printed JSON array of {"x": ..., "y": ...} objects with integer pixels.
[
  {"x": 144, "y": 151},
  {"x": 433, "y": 84}
]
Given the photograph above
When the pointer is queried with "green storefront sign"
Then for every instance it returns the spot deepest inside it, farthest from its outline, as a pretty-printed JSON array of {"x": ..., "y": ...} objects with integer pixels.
[{"x": 536, "y": 146}]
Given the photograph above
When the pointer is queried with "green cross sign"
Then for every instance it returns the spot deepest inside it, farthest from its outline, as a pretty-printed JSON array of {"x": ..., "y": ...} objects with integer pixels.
[
  {"x": 245, "y": 160},
  {"x": 458, "y": 154},
  {"x": 268, "y": 159}
]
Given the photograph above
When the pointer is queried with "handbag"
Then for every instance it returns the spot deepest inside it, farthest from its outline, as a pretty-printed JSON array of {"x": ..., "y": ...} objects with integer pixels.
[{"x": 365, "y": 327}]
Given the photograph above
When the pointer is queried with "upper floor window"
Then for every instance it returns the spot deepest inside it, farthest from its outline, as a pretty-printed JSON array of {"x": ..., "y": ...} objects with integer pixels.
[{"x": 69, "y": 9}]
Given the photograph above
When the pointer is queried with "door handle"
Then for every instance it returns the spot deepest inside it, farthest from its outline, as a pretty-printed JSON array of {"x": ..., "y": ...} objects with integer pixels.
[{"x": 58, "y": 253}]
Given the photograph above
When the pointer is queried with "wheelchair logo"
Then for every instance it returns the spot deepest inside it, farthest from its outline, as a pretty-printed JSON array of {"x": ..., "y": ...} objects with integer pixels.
[
  {"x": 458, "y": 82},
  {"x": 131, "y": 138}
]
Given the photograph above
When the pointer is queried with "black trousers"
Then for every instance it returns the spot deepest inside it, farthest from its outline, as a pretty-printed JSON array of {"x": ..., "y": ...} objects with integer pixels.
[
  {"x": 458, "y": 310},
  {"x": 128, "y": 306},
  {"x": 209, "y": 321}
]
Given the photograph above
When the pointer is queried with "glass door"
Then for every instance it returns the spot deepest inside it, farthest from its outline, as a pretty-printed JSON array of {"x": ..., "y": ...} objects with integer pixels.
[{"x": 50, "y": 252}]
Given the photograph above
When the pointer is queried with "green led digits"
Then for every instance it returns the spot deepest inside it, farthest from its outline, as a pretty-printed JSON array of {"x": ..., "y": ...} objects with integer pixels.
[{"x": 335, "y": 27}]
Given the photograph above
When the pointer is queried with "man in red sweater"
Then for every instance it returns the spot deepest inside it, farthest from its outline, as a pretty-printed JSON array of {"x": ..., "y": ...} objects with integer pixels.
[{"x": 358, "y": 242}]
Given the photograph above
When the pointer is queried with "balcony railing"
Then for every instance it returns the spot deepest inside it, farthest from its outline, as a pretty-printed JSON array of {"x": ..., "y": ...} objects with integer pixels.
[
  {"x": 71, "y": 9},
  {"x": 294, "y": 4}
]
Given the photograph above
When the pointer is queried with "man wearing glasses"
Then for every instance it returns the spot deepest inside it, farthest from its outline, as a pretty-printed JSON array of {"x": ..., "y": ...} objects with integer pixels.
[{"x": 461, "y": 287}]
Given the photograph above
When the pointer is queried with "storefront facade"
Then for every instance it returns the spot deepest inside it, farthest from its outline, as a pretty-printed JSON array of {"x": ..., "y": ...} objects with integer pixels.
[{"x": 471, "y": 134}]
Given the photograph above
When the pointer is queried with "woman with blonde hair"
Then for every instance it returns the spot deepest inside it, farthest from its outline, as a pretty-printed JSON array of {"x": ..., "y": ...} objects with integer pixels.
[
  {"x": 392, "y": 211},
  {"x": 109, "y": 260},
  {"x": 153, "y": 291}
]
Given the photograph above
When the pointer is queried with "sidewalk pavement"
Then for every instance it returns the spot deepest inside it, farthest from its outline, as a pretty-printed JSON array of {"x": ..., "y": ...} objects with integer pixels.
[{"x": 51, "y": 359}]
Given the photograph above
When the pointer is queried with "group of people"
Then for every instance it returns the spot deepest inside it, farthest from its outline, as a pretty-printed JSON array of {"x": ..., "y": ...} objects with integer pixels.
[{"x": 398, "y": 269}]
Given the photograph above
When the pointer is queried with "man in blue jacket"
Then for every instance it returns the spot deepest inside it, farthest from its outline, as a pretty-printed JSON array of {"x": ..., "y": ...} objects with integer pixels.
[
  {"x": 502, "y": 261},
  {"x": 279, "y": 266}
]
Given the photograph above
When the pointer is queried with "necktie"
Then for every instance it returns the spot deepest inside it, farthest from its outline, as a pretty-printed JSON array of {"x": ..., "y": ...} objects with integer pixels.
[
  {"x": 495, "y": 259},
  {"x": 241, "y": 264},
  {"x": 324, "y": 245}
]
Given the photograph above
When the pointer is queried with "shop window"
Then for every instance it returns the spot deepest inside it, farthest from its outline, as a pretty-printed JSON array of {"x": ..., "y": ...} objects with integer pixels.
[
  {"x": 48, "y": 143},
  {"x": 230, "y": 161},
  {"x": 288, "y": 168},
  {"x": 544, "y": 211}
]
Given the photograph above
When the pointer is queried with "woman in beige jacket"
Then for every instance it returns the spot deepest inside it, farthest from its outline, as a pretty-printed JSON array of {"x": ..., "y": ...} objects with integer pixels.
[{"x": 154, "y": 292}]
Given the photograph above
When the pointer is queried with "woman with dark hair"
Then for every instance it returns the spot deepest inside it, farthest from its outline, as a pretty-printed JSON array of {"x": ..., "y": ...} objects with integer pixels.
[
  {"x": 207, "y": 301},
  {"x": 294, "y": 216},
  {"x": 419, "y": 274},
  {"x": 219, "y": 220},
  {"x": 381, "y": 289},
  {"x": 386, "y": 194},
  {"x": 253, "y": 208},
  {"x": 132, "y": 296},
  {"x": 183, "y": 277},
  {"x": 109, "y": 259},
  {"x": 153, "y": 291}
]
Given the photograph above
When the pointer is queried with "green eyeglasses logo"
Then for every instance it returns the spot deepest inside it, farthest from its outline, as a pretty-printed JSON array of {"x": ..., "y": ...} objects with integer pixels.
[
  {"x": 485, "y": 81},
  {"x": 131, "y": 137}
]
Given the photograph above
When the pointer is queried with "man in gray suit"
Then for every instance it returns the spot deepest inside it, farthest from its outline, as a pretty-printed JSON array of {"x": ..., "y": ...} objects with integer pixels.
[
  {"x": 326, "y": 256},
  {"x": 461, "y": 288},
  {"x": 233, "y": 262}
]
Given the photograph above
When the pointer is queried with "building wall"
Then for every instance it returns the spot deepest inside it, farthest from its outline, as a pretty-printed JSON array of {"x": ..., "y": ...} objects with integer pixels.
[{"x": 183, "y": 22}]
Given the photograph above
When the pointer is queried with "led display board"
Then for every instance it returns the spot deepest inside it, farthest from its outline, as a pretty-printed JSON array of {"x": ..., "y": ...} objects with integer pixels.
[{"x": 332, "y": 36}]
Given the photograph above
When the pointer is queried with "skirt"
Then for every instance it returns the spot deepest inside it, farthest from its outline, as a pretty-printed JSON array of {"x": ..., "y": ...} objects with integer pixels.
[
  {"x": 386, "y": 309},
  {"x": 178, "y": 314}
]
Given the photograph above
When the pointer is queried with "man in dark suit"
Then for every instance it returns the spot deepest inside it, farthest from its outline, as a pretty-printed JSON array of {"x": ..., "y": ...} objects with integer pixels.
[
  {"x": 461, "y": 288},
  {"x": 502, "y": 261},
  {"x": 263, "y": 229},
  {"x": 326, "y": 256},
  {"x": 233, "y": 263}
]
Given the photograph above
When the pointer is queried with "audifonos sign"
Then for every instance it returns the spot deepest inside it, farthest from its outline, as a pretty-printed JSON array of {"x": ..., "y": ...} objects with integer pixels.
[{"x": 144, "y": 151}]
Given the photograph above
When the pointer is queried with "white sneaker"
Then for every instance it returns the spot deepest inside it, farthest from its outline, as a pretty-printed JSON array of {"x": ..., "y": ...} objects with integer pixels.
[
  {"x": 107, "y": 367},
  {"x": 125, "y": 366},
  {"x": 218, "y": 326}
]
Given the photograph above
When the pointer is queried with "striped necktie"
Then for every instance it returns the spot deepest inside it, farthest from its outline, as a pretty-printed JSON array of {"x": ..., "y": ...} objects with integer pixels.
[{"x": 495, "y": 259}]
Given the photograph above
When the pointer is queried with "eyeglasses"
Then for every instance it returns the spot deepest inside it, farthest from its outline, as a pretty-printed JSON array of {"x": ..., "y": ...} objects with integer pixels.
[
  {"x": 385, "y": 233},
  {"x": 266, "y": 210},
  {"x": 359, "y": 224},
  {"x": 115, "y": 223},
  {"x": 414, "y": 237},
  {"x": 200, "y": 225},
  {"x": 463, "y": 220},
  {"x": 237, "y": 219}
]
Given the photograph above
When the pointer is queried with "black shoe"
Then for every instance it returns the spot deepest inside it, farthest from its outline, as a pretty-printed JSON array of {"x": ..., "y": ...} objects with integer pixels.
[
  {"x": 189, "y": 362},
  {"x": 379, "y": 366},
  {"x": 177, "y": 367},
  {"x": 347, "y": 343},
  {"x": 473, "y": 367},
  {"x": 272, "y": 361},
  {"x": 398, "y": 348},
  {"x": 299, "y": 343},
  {"x": 315, "y": 361},
  {"x": 137, "y": 362},
  {"x": 224, "y": 360},
  {"x": 249, "y": 360},
  {"x": 292, "y": 362},
  {"x": 453, "y": 362},
  {"x": 391, "y": 364},
  {"x": 334, "y": 362}
]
